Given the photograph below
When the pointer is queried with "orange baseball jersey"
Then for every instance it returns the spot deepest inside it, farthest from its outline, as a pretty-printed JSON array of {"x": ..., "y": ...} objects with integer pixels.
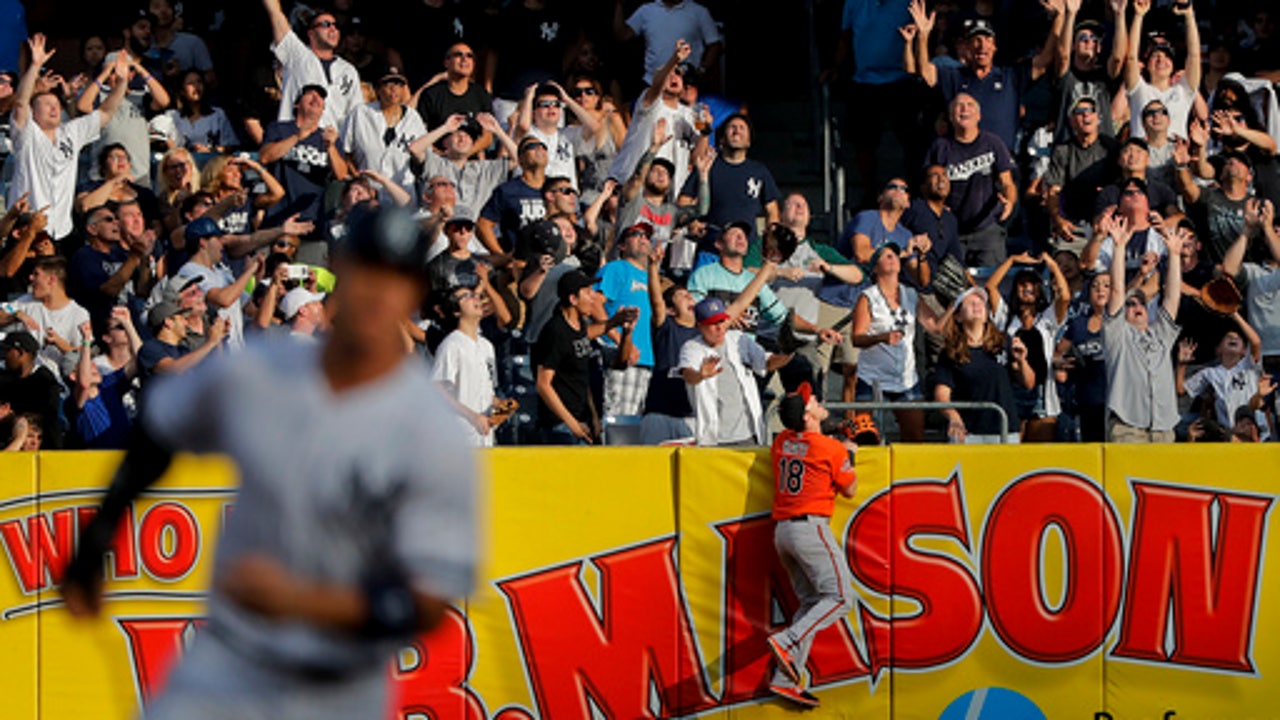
[{"x": 808, "y": 469}]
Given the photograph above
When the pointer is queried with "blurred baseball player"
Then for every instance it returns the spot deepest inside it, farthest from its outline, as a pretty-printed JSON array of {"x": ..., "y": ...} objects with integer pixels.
[
  {"x": 354, "y": 525},
  {"x": 809, "y": 469}
]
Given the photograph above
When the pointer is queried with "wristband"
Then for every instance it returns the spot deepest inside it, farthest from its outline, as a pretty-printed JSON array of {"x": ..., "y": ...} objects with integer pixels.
[{"x": 101, "y": 87}]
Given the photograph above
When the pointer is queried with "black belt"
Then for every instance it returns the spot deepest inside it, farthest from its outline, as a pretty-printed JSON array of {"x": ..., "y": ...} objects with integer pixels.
[{"x": 806, "y": 518}]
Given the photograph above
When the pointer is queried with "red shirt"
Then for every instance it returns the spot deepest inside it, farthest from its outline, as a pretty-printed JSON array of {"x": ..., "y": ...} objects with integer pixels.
[{"x": 808, "y": 469}]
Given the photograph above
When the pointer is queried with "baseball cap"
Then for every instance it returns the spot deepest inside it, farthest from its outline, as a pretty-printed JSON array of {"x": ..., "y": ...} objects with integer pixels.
[
  {"x": 1134, "y": 182},
  {"x": 162, "y": 311},
  {"x": 976, "y": 27},
  {"x": 742, "y": 225},
  {"x": 1089, "y": 24},
  {"x": 986, "y": 299},
  {"x": 296, "y": 298},
  {"x": 20, "y": 340},
  {"x": 385, "y": 236},
  {"x": 1138, "y": 142},
  {"x": 1160, "y": 46},
  {"x": 792, "y": 407},
  {"x": 670, "y": 166},
  {"x": 461, "y": 214},
  {"x": 175, "y": 286},
  {"x": 875, "y": 255},
  {"x": 710, "y": 310},
  {"x": 202, "y": 227},
  {"x": 1239, "y": 155},
  {"x": 528, "y": 140},
  {"x": 129, "y": 17},
  {"x": 393, "y": 72},
  {"x": 571, "y": 283},
  {"x": 1084, "y": 99},
  {"x": 640, "y": 228},
  {"x": 320, "y": 89}
]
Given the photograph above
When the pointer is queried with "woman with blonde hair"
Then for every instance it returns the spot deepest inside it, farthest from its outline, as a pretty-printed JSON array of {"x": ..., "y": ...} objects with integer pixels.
[
  {"x": 976, "y": 364},
  {"x": 234, "y": 209},
  {"x": 179, "y": 179}
]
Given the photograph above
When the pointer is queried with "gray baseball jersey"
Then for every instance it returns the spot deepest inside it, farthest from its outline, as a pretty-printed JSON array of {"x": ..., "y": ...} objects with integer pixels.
[{"x": 332, "y": 485}]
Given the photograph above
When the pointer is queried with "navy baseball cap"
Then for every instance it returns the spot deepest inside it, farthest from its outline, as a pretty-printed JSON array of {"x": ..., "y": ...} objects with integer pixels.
[
  {"x": 976, "y": 27},
  {"x": 710, "y": 310},
  {"x": 792, "y": 407},
  {"x": 202, "y": 227},
  {"x": 20, "y": 340},
  {"x": 571, "y": 283}
]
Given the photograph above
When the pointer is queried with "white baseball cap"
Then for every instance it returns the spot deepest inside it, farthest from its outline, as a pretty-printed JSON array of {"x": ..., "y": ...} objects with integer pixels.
[{"x": 296, "y": 298}]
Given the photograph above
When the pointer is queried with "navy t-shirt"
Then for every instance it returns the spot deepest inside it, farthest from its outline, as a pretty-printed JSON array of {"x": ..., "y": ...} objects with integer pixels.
[
  {"x": 303, "y": 171},
  {"x": 103, "y": 422},
  {"x": 1089, "y": 377},
  {"x": 668, "y": 394},
  {"x": 999, "y": 94},
  {"x": 973, "y": 169},
  {"x": 153, "y": 351},
  {"x": 87, "y": 270},
  {"x": 984, "y": 378},
  {"x": 738, "y": 192},
  {"x": 512, "y": 206}
]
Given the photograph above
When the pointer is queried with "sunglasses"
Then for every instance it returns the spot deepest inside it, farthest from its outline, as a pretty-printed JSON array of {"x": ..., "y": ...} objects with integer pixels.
[
  {"x": 461, "y": 54},
  {"x": 1133, "y": 302},
  {"x": 325, "y": 24},
  {"x": 1087, "y": 37},
  {"x": 548, "y": 103},
  {"x": 466, "y": 295},
  {"x": 107, "y": 219},
  {"x": 897, "y": 186},
  {"x": 1131, "y": 192},
  {"x": 1154, "y": 111},
  {"x": 176, "y": 166},
  {"x": 285, "y": 244},
  {"x": 535, "y": 145},
  {"x": 566, "y": 190},
  {"x": 460, "y": 226},
  {"x": 1087, "y": 110},
  {"x": 588, "y": 90}
]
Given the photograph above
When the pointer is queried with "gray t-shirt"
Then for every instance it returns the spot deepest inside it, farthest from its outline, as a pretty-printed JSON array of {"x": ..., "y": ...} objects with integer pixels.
[
  {"x": 335, "y": 486},
  {"x": 1140, "y": 389},
  {"x": 735, "y": 426}
]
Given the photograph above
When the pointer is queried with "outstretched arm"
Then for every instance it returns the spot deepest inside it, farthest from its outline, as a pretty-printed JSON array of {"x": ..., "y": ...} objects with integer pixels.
[
  {"x": 279, "y": 21},
  {"x": 1132, "y": 69},
  {"x": 1194, "y": 71},
  {"x": 924, "y": 66},
  {"x": 27, "y": 84}
]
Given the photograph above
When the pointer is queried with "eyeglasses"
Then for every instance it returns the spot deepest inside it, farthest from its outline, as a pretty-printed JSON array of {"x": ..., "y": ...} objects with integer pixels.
[
  {"x": 460, "y": 54},
  {"x": 588, "y": 90},
  {"x": 106, "y": 219},
  {"x": 548, "y": 104},
  {"x": 897, "y": 186},
  {"x": 1085, "y": 110},
  {"x": 324, "y": 24},
  {"x": 466, "y": 295},
  {"x": 1155, "y": 111},
  {"x": 565, "y": 190}
]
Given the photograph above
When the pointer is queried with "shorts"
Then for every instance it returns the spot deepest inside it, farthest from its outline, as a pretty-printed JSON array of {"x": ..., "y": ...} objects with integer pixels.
[{"x": 845, "y": 352}]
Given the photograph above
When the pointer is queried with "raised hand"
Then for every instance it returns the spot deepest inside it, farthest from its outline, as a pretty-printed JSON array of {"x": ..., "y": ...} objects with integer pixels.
[
  {"x": 908, "y": 32},
  {"x": 660, "y": 135},
  {"x": 39, "y": 53},
  {"x": 682, "y": 51},
  {"x": 1186, "y": 351},
  {"x": 710, "y": 367},
  {"x": 923, "y": 21},
  {"x": 1141, "y": 7}
]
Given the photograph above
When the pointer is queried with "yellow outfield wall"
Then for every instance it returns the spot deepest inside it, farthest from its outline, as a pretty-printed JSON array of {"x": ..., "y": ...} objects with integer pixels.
[{"x": 1082, "y": 581}]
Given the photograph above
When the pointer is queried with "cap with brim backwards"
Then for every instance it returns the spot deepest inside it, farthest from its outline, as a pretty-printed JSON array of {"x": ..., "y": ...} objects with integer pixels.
[{"x": 792, "y": 408}]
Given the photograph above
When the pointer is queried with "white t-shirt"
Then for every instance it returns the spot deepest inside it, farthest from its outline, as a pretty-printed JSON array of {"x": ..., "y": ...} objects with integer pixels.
[
  {"x": 1107, "y": 248},
  {"x": 680, "y": 124},
  {"x": 1232, "y": 387},
  {"x": 1262, "y": 295},
  {"x": 48, "y": 169},
  {"x": 661, "y": 25},
  {"x": 364, "y": 138},
  {"x": 560, "y": 157},
  {"x": 302, "y": 68},
  {"x": 468, "y": 366},
  {"x": 65, "y": 321},
  {"x": 1178, "y": 99}
]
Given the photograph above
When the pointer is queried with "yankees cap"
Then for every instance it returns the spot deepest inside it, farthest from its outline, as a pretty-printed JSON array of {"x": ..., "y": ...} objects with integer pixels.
[{"x": 387, "y": 236}]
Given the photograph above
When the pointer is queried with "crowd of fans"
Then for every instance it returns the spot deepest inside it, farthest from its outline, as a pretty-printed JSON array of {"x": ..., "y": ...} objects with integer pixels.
[{"x": 1084, "y": 232}]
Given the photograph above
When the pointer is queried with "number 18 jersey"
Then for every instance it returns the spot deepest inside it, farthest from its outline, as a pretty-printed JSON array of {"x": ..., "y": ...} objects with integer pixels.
[{"x": 808, "y": 469}]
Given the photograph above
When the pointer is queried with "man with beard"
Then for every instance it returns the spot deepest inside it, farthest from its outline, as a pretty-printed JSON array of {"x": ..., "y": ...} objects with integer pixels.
[
  {"x": 929, "y": 215},
  {"x": 316, "y": 63},
  {"x": 741, "y": 188},
  {"x": 647, "y": 195}
]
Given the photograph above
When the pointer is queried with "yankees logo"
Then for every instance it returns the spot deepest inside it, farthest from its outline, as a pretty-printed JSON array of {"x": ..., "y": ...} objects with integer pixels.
[
  {"x": 457, "y": 27},
  {"x": 66, "y": 149},
  {"x": 753, "y": 187},
  {"x": 345, "y": 86},
  {"x": 550, "y": 31}
]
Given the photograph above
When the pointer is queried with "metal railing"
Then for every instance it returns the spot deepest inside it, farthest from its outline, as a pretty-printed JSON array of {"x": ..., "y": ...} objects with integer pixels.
[{"x": 928, "y": 405}]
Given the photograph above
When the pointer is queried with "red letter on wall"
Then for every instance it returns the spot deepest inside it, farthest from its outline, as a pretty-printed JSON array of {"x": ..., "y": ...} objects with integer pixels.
[
  {"x": 1209, "y": 578},
  {"x": 642, "y": 634},
  {"x": 1012, "y": 549},
  {"x": 950, "y": 600}
]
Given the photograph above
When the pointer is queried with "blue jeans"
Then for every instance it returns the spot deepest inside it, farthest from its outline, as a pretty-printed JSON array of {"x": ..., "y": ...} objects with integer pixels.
[{"x": 560, "y": 434}]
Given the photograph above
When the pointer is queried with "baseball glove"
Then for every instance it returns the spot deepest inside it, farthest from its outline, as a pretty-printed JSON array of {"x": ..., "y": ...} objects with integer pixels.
[
  {"x": 1221, "y": 295},
  {"x": 779, "y": 243}
]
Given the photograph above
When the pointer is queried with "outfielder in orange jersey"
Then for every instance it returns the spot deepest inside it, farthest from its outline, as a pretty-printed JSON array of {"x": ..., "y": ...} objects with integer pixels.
[{"x": 809, "y": 469}]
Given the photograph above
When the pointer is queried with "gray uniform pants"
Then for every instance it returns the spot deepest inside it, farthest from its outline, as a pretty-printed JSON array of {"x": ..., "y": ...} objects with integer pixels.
[
  {"x": 212, "y": 682},
  {"x": 822, "y": 582}
]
